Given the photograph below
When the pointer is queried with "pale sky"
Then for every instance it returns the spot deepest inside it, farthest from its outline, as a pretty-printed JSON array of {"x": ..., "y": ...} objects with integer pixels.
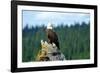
[{"x": 38, "y": 18}]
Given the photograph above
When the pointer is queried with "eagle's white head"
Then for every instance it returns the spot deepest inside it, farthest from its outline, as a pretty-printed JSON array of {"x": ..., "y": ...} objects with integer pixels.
[{"x": 49, "y": 26}]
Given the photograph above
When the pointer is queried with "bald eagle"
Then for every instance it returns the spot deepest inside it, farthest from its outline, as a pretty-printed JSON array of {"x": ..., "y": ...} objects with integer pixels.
[{"x": 52, "y": 37}]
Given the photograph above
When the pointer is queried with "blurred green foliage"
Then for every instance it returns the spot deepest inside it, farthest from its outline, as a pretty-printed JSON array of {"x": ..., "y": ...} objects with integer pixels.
[{"x": 74, "y": 41}]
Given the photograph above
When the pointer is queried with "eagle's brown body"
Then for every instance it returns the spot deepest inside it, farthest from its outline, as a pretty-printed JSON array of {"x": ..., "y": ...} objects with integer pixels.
[{"x": 52, "y": 37}]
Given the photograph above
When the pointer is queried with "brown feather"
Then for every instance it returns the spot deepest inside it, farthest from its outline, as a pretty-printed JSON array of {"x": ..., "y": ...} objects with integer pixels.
[{"x": 52, "y": 37}]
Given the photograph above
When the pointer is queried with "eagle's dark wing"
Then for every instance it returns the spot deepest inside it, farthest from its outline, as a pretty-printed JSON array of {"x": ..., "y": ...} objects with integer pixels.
[{"x": 53, "y": 38}]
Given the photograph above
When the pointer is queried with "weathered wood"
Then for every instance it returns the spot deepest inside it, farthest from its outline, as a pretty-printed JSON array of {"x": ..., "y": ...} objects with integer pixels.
[{"x": 49, "y": 52}]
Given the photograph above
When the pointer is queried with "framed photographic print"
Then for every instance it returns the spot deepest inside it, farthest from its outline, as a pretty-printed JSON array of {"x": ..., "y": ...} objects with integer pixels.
[{"x": 51, "y": 36}]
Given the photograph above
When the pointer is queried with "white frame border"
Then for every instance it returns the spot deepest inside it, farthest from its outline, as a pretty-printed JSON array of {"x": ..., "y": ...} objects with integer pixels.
[{"x": 53, "y": 63}]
